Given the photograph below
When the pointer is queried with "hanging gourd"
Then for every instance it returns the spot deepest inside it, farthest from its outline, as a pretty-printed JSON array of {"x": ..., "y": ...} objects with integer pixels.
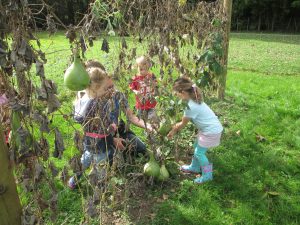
[
  {"x": 164, "y": 173},
  {"x": 152, "y": 168},
  {"x": 76, "y": 78}
]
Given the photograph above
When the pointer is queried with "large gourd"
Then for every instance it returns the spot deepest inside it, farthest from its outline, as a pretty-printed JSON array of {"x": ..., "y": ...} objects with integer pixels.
[
  {"x": 164, "y": 173},
  {"x": 152, "y": 168},
  {"x": 76, "y": 78},
  {"x": 165, "y": 128}
]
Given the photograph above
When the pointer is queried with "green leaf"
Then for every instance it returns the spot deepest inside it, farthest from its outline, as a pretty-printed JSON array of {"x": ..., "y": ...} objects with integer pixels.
[
  {"x": 215, "y": 67},
  {"x": 205, "y": 80}
]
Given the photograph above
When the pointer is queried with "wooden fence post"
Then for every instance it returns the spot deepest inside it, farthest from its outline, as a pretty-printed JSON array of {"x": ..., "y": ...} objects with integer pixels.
[
  {"x": 227, "y": 8},
  {"x": 10, "y": 206}
]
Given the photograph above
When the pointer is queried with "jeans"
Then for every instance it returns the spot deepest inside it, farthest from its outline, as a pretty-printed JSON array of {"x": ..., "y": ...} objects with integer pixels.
[
  {"x": 135, "y": 145},
  {"x": 101, "y": 150}
]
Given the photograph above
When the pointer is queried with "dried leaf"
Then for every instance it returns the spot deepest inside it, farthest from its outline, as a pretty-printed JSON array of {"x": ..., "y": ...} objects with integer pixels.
[
  {"x": 64, "y": 174},
  {"x": 82, "y": 45},
  {"x": 25, "y": 138},
  {"x": 44, "y": 145},
  {"x": 71, "y": 35},
  {"x": 91, "y": 42},
  {"x": 97, "y": 195},
  {"x": 105, "y": 46},
  {"x": 91, "y": 209},
  {"x": 124, "y": 44},
  {"x": 75, "y": 164},
  {"x": 165, "y": 197},
  {"x": 53, "y": 169},
  {"x": 51, "y": 26},
  {"x": 43, "y": 204},
  {"x": 28, "y": 217},
  {"x": 93, "y": 176},
  {"x": 59, "y": 143},
  {"x": 53, "y": 206},
  {"x": 133, "y": 53},
  {"x": 23, "y": 47},
  {"x": 40, "y": 69},
  {"x": 27, "y": 185},
  {"x": 38, "y": 171},
  {"x": 78, "y": 141},
  {"x": 260, "y": 138}
]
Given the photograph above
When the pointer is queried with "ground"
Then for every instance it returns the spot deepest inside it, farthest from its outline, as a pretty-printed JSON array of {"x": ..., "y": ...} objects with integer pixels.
[{"x": 256, "y": 167}]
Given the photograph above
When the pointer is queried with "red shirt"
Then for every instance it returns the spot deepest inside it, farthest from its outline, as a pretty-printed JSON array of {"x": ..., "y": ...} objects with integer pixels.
[{"x": 145, "y": 90}]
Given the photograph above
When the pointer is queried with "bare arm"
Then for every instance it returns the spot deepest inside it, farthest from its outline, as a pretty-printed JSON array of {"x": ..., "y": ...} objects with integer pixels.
[
  {"x": 178, "y": 126},
  {"x": 136, "y": 121}
]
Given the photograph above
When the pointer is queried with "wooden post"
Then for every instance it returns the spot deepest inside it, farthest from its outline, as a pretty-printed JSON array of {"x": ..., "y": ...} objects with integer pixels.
[
  {"x": 227, "y": 8},
  {"x": 10, "y": 206}
]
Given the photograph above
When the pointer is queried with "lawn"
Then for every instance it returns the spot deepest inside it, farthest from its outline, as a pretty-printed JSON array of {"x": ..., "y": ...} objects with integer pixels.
[{"x": 257, "y": 166}]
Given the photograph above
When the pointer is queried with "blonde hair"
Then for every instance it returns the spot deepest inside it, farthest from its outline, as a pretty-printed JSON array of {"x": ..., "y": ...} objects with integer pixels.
[
  {"x": 143, "y": 61},
  {"x": 97, "y": 80},
  {"x": 185, "y": 84},
  {"x": 94, "y": 63}
]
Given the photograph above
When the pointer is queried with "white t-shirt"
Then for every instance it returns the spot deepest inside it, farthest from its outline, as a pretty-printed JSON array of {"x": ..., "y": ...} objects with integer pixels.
[
  {"x": 203, "y": 117},
  {"x": 80, "y": 107}
]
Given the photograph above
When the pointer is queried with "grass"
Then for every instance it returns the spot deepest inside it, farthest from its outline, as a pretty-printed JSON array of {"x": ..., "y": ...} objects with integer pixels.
[{"x": 256, "y": 182}]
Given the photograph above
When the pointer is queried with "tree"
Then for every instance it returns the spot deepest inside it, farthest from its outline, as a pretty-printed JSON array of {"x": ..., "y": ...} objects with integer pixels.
[
  {"x": 227, "y": 7},
  {"x": 10, "y": 207}
]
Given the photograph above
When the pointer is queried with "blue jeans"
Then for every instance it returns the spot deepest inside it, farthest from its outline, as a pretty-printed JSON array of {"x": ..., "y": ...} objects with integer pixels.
[{"x": 99, "y": 150}]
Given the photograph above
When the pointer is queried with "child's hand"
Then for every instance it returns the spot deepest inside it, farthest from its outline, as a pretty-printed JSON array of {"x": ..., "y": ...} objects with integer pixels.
[
  {"x": 149, "y": 127},
  {"x": 171, "y": 133},
  {"x": 119, "y": 143}
]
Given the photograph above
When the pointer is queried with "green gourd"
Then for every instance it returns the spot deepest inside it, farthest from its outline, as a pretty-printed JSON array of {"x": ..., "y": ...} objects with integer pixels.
[
  {"x": 165, "y": 128},
  {"x": 164, "y": 173},
  {"x": 152, "y": 168},
  {"x": 76, "y": 78}
]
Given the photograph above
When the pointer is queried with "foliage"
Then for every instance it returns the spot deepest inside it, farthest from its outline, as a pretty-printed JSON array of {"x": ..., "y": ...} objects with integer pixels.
[
  {"x": 264, "y": 102},
  {"x": 34, "y": 98},
  {"x": 278, "y": 15}
]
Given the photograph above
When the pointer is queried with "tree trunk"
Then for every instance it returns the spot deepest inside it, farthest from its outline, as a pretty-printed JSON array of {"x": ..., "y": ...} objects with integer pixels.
[
  {"x": 248, "y": 23},
  {"x": 227, "y": 7},
  {"x": 259, "y": 23},
  {"x": 10, "y": 207},
  {"x": 273, "y": 22},
  {"x": 289, "y": 24}
]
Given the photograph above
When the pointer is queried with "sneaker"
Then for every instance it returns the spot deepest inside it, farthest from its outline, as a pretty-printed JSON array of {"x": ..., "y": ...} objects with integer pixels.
[{"x": 72, "y": 183}]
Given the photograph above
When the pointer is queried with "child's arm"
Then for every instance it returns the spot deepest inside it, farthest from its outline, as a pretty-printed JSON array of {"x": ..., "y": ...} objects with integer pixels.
[
  {"x": 178, "y": 126},
  {"x": 133, "y": 85},
  {"x": 136, "y": 121}
]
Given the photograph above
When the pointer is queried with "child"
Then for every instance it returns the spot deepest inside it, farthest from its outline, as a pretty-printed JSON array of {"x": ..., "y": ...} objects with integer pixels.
[
  {"x": 207, "y": 123},
  {"x": 144, "y": 86},
  {"x": 98, "y": 110}
]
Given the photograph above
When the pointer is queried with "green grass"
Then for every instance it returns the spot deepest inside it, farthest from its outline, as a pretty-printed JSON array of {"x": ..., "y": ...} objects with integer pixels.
[
  {"x": 254, "y": 182},
  {"x": 265, "y": 53}
]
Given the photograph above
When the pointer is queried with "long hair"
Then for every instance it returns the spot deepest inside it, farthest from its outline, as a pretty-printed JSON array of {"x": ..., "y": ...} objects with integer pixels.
[
  {"x": 185, "y": 84},
  {"x": 93, "y": 64},
  {"x": 98, "y": 78}
]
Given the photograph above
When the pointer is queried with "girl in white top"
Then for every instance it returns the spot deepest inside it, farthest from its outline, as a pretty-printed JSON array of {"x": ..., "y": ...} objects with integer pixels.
[{"x": 205, "y": 120}]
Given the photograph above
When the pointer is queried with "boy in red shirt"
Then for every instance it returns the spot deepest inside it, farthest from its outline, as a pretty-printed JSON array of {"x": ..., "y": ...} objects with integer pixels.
[{"x": 144, "y": 85}]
